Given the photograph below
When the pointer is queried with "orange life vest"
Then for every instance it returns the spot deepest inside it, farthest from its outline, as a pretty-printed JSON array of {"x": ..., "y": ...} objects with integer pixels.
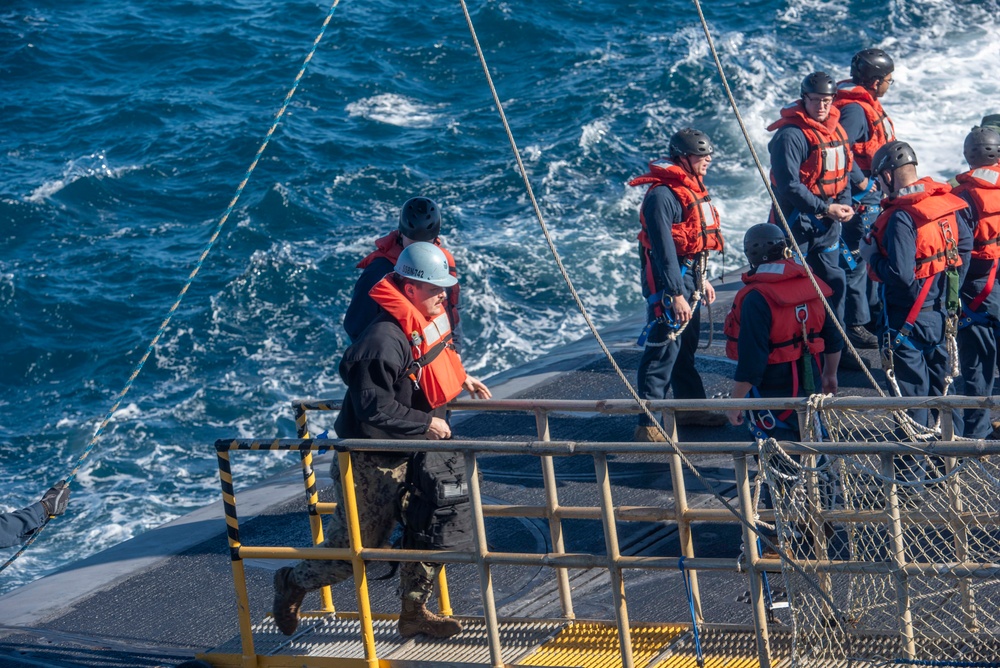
[
  {"x": 932, "y": 207},
  {"x": 826, "y": 169},
  {"x": 983, "y": 186},
  {"x": 698, "y": 231},
  {"x": 436, "y": 370},
  {"x": 880, "y": 128},
  {"x": 391, "y": 245},
  {"x": 793, "y": 301}
]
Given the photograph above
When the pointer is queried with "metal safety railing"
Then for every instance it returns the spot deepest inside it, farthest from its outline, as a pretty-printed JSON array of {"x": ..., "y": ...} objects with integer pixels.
[{"x": 682, "y": 514}]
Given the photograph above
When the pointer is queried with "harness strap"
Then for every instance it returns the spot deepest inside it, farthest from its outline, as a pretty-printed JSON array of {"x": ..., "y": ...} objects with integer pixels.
[
  {"x": 911, "y": 317},
  {"x": 981, "y": 297},
  {"x": 861, "y": 195},
  {"x": 413, "y": 371}
]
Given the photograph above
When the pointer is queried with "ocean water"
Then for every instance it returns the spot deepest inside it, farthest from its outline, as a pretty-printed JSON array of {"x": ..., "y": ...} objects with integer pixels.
[{"x": 128, "y": 126}]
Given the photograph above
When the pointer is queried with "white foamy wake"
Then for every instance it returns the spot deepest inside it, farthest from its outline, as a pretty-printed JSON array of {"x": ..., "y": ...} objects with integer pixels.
[{"x": 396, "y": 110}]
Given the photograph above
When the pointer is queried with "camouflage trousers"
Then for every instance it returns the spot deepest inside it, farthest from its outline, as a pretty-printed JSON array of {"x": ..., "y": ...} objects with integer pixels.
[{"x": 377, "y": 477}]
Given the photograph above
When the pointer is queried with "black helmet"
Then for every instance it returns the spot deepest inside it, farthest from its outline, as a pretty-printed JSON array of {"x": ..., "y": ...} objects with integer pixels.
[
  {"x": 982, "y": 147},
  {"x": 991, "y": 121},
  {"x": 892, "y": 156},
  {"x": 764, "y": 243},
  {"x": 689, "y": 142},
  {"x": 818, "y": 83},
  {"x": 420, "y": 219},
  {"x": 870, "y": 64}
]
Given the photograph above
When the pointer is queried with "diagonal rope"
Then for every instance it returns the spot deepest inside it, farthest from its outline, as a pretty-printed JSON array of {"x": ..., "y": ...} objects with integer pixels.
[
  {"x": 600, "y": 341},
  {"x": 190, "y": 280}
]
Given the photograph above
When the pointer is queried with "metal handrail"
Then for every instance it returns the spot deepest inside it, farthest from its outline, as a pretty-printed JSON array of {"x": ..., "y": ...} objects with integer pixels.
[{"x": 606, "y": 512}]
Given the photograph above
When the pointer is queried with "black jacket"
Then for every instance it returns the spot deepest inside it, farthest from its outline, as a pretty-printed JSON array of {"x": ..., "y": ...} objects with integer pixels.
[{"x": 381, "y": 401}]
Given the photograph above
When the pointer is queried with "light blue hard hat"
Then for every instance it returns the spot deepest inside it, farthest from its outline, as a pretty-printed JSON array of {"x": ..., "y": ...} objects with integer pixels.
[{"x": 425, "y": 262}]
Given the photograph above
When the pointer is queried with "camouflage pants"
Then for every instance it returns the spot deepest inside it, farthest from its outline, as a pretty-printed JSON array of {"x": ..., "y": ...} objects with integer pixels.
[{"x": 376, "y": 484}]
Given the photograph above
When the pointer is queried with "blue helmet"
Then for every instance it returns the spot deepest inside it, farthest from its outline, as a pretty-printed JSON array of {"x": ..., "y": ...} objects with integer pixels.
[{"x": 425, "y": 262}]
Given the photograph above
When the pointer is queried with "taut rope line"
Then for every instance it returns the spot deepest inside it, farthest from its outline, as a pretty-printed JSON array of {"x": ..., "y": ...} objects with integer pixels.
[{"x": 190, "y": 280}]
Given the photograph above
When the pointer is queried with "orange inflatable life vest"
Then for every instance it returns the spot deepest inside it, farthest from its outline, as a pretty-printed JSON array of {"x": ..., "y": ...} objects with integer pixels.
[
  {"x": 880, "y": 128},
  {"x": 391, "y": 245},
  {"x": 436, "y": 370},
  {"x": 700, "y": 228},
  {"x": 983, "y": 186},
  {"x": 932, "y": 207},
  {"x": 826, "y": 169},
  {"x": 793, "y": 301}
]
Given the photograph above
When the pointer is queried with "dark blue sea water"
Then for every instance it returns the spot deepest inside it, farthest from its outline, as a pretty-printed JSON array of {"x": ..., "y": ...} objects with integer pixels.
[{"x": 128, "y": 125}]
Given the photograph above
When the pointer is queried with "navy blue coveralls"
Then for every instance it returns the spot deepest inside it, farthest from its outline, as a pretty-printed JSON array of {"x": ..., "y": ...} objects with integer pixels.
[
  {"x": 859, "y": 295},
  {"x": 789, "y": 149},
  {"x": 977, "y": 337},
  {"x": 671, "y": 365},
  {"x": 921, "y": 363},
  {"x": 17, "y": 526}
]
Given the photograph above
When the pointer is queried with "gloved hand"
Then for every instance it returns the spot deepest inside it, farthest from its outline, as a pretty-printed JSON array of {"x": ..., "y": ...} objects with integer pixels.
[
  {"x": 56, "y": 498},
  {"x": 867, "y": 249}
]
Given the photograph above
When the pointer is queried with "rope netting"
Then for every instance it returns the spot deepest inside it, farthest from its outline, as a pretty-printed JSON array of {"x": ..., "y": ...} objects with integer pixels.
[{"x": 904, "y": 544}]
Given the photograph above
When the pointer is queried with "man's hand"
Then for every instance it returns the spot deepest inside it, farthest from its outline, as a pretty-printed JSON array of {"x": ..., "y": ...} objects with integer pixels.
[
  {"x": 55, "y": 500},
  {"x": 830, "y": 384},
  {"x": 840, "y": 212},
  {"x": 681, "y": 308},
  {"x": 735, "y": 416},
  {"x": 476, "y": 388},
  {"x": 709, "y": 293},
  {"x": 438, "y": 430}
]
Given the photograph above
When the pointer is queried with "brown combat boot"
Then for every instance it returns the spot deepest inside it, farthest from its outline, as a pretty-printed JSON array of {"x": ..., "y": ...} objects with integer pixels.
[
  {"x": 416, "y": 618},
  {"x": 287, "y": 601},
  {"x": 648, "y": 434}
]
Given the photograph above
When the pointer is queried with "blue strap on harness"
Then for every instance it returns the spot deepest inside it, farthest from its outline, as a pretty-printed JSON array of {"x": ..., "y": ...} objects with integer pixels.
[
  {"x": 694, "y": 618},
  {"x": 861, "y": 195},
  {"x": 667, "y": 318},
  {"x": 972, "y": 318},
  {"x": 765, "y": 422},
  {"x": 841, "y": 245}
]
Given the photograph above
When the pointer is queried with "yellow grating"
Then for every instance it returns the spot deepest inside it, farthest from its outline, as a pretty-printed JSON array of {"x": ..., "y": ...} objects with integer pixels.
[
  {"x": 595, "y": 645},
  {"x": 725, "y": 649}
]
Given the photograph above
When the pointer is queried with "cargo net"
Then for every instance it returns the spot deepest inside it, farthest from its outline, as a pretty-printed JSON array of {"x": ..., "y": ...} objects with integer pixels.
[{"x": 899, "y": 552}]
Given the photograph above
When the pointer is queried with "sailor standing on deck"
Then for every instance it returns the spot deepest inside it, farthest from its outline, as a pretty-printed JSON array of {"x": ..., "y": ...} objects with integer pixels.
[
  {"x": 979, "y": 322},
  {"x": 919, "y": 252},
  {"x": 776, "y": 331},
  {"x": 419, "y": 220},
  {"x": 810, "y": 166},
  {"x": 868, "y": 129},
  {"x": 679, "y": 227},
  {"x": 400, "y": 373}
]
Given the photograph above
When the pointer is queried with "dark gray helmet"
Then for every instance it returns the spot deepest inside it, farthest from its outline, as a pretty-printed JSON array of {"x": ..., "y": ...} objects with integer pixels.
[
  {"x": 764, "y": 243},
  {"x": 689, "y": 142},
  {"x": 991, "y": 121},
  {"x": 420, "y": 219},
  {"x": 818, "y": 83},
  {"x": 892, "y": 156},
  {"x": 982, "y": 147},
  {"x": 870, "y": 64}
]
